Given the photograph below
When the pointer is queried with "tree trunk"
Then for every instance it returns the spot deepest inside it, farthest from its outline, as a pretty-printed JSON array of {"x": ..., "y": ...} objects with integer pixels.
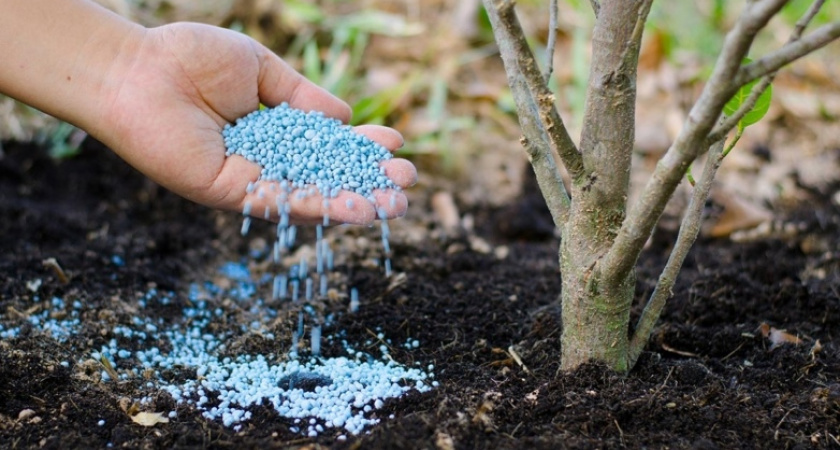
[
  {"x": 600, "y": 242},
  {"x": 596, "y": 315},
  {"x": 596, "y": 304}
]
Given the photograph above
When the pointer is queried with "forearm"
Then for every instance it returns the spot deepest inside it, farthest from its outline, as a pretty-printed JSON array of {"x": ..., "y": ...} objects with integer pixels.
[{"x": 63, "y": 56}]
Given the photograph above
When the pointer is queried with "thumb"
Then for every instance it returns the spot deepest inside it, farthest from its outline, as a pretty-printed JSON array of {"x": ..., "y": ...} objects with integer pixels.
[{"x": 279, "y": 82}]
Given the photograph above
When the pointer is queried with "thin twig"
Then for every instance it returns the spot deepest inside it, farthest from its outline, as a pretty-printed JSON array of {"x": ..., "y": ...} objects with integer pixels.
[
  {"x": 502, "y": 16},
  {"x": 732, "y": 121},
  {"x": 790, "y": 52},
  {"x": 689, "y": 229},
  {"x": 728, "y": 355},
  {"x": 691, "y": 142},
  {"x": 53, "y": 264},
  {"x": 636, "y": 38},
  {"x": 596, "y": 7},
  {"x": 806, "y": 19},
  {"x": 782, "y": 421},
  {"x": 661, "y": 386},
  {"x": 720, "y": 131},
  {"x": 552, "y": 41},
  {"x": 535, "y": 139},
  {"x": 732, "y": 143},
  {"x": 620, "y": 432}
]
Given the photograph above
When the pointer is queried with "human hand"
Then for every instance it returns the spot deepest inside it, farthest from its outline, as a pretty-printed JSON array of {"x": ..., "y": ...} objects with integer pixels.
[{"x": 185, "y": 82}]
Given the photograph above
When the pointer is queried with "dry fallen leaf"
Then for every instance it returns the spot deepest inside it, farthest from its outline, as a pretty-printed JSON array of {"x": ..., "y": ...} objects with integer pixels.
[
  {"x": 149, "y": 419},
  {"x": 778, "y": 337},
  {"x": 738, "y": 214}
]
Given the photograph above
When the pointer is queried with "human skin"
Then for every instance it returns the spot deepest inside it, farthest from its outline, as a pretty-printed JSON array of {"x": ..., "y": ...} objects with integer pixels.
[{"x": 159, "y": 98}]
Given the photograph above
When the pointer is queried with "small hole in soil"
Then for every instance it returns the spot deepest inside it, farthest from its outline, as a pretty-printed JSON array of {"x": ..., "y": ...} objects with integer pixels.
[{"x": 306, "y": 381}]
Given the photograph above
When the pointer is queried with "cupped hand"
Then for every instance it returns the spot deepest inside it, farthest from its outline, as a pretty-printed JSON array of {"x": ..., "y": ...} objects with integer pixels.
[{"x": 186, "y": 82}]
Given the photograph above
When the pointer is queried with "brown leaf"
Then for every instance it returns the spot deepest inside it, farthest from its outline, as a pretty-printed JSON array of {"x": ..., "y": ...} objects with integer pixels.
[
  {"x": 738, "y": 214},
  {"x": 778, "y": 337},
  {"x": 653, "y": 50}
]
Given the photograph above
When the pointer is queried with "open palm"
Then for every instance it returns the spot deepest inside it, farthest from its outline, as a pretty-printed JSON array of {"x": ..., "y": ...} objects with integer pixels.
[{"x": 186, "y": 82}]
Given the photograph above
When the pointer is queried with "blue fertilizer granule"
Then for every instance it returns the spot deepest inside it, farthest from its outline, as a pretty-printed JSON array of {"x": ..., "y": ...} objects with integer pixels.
[
  {"x": 301, "y": 150},
  {"x": 191, "y": 360},
  {"x": 308, "y": 149},
  {"x": 327, "y": 393}
]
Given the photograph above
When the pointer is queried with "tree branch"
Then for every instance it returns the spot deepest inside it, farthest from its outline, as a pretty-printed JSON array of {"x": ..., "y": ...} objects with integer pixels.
[
  {"x": 535, "y": 139},
  {"x": 596, "y": 7},
  {"x": 690, "y": 226},
  {"x": 790, "y": 52},
  {"x": 722, "y": 129},
  {"x": 636, "y": 39},
  {"x": 806, "y": 19},
  {"x": 608, "y": 131},
  {"x": 552, "y": 41},
  {"x": 503, "y": 17},
  {"x": 691, "y": 142},
  {"x": 689, "y": 229}
]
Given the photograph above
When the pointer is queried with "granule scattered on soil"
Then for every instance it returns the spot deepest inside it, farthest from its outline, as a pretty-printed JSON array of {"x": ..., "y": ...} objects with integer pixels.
[{"x": 466, "y": 308}]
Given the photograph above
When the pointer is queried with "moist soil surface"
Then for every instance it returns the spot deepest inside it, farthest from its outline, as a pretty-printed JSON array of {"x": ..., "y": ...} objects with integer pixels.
[{"x": 718, "y": 373}]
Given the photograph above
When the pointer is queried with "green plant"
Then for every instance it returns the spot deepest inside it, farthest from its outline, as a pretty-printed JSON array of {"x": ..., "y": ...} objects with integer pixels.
[
  {"x": 337, "y": 64},
  {"x": 65, "y": 141},
  {"x": 602, "y": 237}
]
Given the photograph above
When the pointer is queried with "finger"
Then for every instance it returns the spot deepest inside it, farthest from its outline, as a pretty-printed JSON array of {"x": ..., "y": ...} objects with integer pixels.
[
  {"x": 401, "y": 171},
  {"x": 278, "y": 82},
  {"x": 346, "y": 207},
  {"x": 306, "y": 206},
  {"x": 390, "y": 204},
  {"x": 384, "y": 136},
  {"x": 229, "y": 189}
]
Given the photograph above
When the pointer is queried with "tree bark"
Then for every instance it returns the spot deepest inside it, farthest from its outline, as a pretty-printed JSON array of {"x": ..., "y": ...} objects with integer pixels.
[{"x": 595, "y": 314}]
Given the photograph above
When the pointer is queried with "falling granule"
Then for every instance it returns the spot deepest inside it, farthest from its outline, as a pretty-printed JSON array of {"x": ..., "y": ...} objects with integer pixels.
[
  {"x": 304, "y": 153},
  {"x": 308, "y": 153},
  {"x": 354, "y": 300},
  {"x": 295, "y": 290},
  {"x": 315, "y": 340},
  {"x": 323, "y": 289}
]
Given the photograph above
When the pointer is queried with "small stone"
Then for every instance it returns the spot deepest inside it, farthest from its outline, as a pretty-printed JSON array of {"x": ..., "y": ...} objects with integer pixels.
[{"x": 25, "y": 414}]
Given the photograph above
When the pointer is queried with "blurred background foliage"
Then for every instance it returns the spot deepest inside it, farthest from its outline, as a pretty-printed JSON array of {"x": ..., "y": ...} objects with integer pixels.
[{"x": 428, "y": 68}]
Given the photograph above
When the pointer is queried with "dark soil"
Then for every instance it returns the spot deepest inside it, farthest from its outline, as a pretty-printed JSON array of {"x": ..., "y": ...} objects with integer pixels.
[{"x": 710, "y": 379}]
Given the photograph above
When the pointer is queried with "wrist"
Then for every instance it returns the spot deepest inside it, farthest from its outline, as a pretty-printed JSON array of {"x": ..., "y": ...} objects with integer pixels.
[
  {"x": 108, "y": 59},
  {"x": 63, "y": 57}
]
